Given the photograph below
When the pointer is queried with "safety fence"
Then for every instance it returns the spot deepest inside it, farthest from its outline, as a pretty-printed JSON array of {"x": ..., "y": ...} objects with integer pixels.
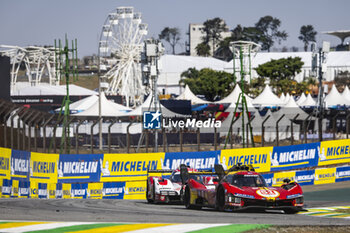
[{"x": 122, "y": 176}]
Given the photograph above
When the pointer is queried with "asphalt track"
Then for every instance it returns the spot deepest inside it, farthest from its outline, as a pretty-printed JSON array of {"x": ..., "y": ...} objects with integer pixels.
[{"x": 141, "y": 212}]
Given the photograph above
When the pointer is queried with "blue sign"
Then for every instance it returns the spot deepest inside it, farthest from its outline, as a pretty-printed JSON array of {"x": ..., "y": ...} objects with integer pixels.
[
  {"x": 294, "y": 157},
  {"x": 20, "y": 165},
  {"x": 42, "y": 190},
  {"x": 113, "y": 190},
  {"x": 73, "y": 168},
  {"x": 342, "y": 174},
  {"x": 305, "y": 177},
  {"x": 79, "y": 190},
  {"x": 6, "y": 187},
  {"x": 59, "y": 191},
  {"x": 152, "y": 120},
  {"x": 197, "y": 160},
  {"x": 23, "y": 188},
  {"x": 268, "y": 178}
]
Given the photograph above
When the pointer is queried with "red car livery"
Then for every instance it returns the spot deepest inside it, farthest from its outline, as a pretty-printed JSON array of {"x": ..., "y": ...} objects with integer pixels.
[{"x": 241, "y": 188}]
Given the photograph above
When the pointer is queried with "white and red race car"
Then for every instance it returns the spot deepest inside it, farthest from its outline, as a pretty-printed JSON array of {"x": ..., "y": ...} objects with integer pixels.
[{"x": 167, "y": 185}]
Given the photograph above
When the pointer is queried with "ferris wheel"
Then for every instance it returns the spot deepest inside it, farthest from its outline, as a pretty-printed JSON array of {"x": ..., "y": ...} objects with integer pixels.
[{"x": 120, "y": 49}]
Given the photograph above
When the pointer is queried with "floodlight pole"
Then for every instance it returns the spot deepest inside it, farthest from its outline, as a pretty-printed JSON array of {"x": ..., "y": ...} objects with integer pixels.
[{"x": 320, "y": 94}]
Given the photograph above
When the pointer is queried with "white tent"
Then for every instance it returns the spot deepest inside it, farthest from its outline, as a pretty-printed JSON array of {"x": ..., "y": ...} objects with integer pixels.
[
  {"x": 282, "y": 97},
  {"x": 301, "y": 99},
  {"x": 267, "y": 99},
  {"x": 308, "y": 102},
  {"x": 334, "y": 98},
  {"x": 233, "y": 97},
  {"x": 188, "y": 95},
  {"x": 108, "y": 109},
  {"x": 346, "y": 94},
  {"x": 81, "y": 105},
  {"x": 286, "y": 100},
  {"x": 145, "y": 106},
  {"x": 291, "y": 109}
]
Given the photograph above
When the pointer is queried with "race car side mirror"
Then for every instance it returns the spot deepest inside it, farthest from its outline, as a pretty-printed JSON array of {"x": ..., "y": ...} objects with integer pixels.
[{"x": 286, "y": 181}]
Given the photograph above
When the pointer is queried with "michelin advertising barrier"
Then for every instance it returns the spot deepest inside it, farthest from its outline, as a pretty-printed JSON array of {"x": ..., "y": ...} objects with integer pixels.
[{"x": 122, "y": 176}]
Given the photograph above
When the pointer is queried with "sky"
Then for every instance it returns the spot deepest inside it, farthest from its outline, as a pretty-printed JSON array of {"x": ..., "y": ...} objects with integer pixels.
[{"x": 40, "y": 22}]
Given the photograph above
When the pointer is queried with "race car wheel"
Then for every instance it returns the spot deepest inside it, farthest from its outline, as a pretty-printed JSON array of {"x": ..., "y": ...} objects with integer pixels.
[
  {"x": 187, "y": 200},
  {"x": 149, "y": 200},
  {"x": 220, "y": 199}
]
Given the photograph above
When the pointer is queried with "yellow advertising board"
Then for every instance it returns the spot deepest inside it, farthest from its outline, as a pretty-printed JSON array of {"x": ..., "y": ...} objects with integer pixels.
[
  {"x": 333, "y": 152},
  {"x": 51, "y": 188},
  {"x": 135, "y": 190},
  {"x": 259, "y": 157},
  {"x": 325, "y": 175},
  {"x": 95, "y": 190},
  {"x": 278, "y": 177},
  {"x": 5, "y": 163},
  {"x": 34, "y": 190},
  {"x": 15, "y": 187},
  {"x": 129, "y": 167},
  {"x": 43, "y": 167},
  {"x": 66, "y": 190}
]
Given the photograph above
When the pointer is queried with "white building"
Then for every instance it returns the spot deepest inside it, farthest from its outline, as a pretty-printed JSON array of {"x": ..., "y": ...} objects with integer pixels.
[{"x": 196, "y": 34}]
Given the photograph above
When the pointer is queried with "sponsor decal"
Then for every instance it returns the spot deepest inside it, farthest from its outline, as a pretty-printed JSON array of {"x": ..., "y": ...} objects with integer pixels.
[
  {"x": 5, "y": 163},
  {"x": 294, "y": 196},
  {"x": 197, "y": 160},
  {"x": 59, "y": 191},
  {"x": 42, "y": 191},
  {"x": 258, "y": 157},
  {"x": 244, "y": 195},
  {"x": 268, "y": 193},
  {"x": 79, "y": 190},
  {"x": 325, "y": 175},
  {"x": 24, "y": 189},
  {"x": 20, "y": 164},
  {"x": 342, "y": 174},
  {"x": 79, "y": 168},
  {"x": 305, "y": 177},
  {"x": 113, "y": 190},
  {"x": 128, "y": 167},
  {"x": 293, "y": 157},
  {"x": 333, "y": 152}
]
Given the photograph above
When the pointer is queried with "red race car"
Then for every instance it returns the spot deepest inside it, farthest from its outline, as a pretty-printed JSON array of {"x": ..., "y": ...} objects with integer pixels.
[
  {"x": 166, "y": 186},
  {"x": 241, "y": 188}
]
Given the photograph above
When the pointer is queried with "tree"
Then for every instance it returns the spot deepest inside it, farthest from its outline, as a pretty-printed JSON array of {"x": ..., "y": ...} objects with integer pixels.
[
  {"x": 171, "y": 35},
  {"x": 269, "y": 33},
  {"x": 213, "y": 29},
  {"x": 307, "y": 35},
  {"x": 203, "y": 50},
  {"x": 210, "y": 83},
  {"x": 281, "y": 69}
]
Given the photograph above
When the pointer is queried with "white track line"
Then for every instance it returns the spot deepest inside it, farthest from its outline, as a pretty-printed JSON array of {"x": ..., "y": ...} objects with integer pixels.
[
  {"x": 178, "y": 228},
  {"x": 43, "y": 226}
]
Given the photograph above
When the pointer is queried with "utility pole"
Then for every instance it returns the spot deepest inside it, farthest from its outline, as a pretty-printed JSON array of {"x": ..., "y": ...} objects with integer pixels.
[
  {"x": 64, "y": 55},
  {"x": 151, "y": 67},
  {"x": 320, "y": 67}
]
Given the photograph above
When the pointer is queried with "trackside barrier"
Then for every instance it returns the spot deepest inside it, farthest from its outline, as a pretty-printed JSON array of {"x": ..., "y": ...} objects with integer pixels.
[{"x": 122, "y": 176}]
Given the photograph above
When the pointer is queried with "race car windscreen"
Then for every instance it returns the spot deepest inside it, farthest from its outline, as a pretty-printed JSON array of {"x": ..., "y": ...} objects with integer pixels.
[{"x": 246, "y": 180}]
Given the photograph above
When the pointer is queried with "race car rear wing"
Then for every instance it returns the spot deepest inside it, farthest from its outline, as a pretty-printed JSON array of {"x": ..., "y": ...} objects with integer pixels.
[{"x": 185, "y": 175}]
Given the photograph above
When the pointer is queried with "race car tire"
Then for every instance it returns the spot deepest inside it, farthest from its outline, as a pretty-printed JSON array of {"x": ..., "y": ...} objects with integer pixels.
[
  {"x": 149, "y": 200},
  {"x": 187, "y": 200},
  {"x": 220, "y": 199},
  {"x": 154, "y": 193}
]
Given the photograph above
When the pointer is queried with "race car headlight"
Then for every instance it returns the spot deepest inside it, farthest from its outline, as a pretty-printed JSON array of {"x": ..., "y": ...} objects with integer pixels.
[
  {"x": 299, "y": 200},
  {"x": 230, "y": 197},
  {"x": 237, "y": 200}
]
